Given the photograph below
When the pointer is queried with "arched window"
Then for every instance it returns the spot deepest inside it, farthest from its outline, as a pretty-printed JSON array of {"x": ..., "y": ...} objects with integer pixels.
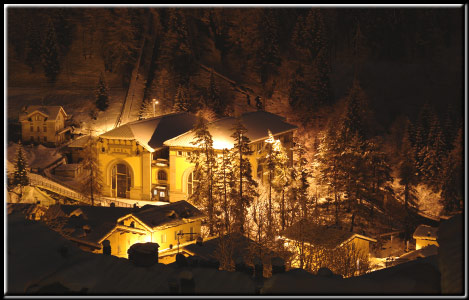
[
  {"x": 191, "y": 183},
  {"x": 162, "y": 175},
  {"x": 121, "y": 180}
]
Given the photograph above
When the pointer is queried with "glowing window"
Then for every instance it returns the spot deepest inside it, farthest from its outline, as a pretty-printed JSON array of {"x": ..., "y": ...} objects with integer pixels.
[{"x": 191, "y": 183}]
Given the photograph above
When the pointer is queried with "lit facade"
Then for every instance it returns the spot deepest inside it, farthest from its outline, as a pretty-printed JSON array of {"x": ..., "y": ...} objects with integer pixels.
[
  {"x": 43, "y": 124},
  {"x": 142, "y": 160}
]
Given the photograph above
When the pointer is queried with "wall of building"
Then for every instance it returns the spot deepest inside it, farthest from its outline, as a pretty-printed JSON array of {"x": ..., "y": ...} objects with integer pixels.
[
  {"x": 121, "y": 240},
  {"x": 420, "y": 243},
  {"x": 137, "y": 159},
  {"x": 38, "y": 123}
]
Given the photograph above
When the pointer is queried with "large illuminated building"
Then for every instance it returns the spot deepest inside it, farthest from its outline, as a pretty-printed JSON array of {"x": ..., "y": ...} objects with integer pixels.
[{"x": 148, "y": 159}]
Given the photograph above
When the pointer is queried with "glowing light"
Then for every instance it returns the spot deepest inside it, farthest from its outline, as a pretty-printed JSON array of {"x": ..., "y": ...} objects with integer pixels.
[{"x": 222, "y": 144}]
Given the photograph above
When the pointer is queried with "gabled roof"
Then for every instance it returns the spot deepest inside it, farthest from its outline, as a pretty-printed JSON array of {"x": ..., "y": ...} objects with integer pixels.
[
  {"x": 100, "y": 219},
  {"x": 257, "y": 124},
  {"x": 51, "y": 112},
  {"x": 242, "y": 247},
  {"x": 80, "y": 142},
  {"x": 168, "y": 215},
  {"x": 319, "y": 235},
  {"x": 152, "y": 132},
  {"x": 426, "y": 232}
]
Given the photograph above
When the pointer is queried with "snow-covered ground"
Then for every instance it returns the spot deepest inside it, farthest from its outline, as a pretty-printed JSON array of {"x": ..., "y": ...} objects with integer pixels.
[{"x": 37, "y": 156}]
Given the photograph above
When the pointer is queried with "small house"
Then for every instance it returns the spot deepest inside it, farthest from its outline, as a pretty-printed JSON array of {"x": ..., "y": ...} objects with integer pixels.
[
  {"x": 90, "y": 226},
  {"x": 44, "y": 124},
  {"x": 425, "y": 235},
  {"x": 305, "y": 237}
]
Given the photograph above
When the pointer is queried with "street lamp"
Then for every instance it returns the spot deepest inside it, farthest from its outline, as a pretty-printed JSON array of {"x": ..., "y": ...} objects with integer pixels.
[{"x": 154, "y": 101}]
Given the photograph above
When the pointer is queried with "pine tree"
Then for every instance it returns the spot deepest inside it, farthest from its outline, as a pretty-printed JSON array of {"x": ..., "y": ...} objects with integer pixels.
[
  {"x": 300, "y": 174},
  {"x": 205, "y": 161},
  {"x": 119, "y": 43},
  {"x": 268, "y": 54},
  {"x": 224, "y": 184},
  {"x": 34, "y": 45},
  {"x": 214, "y": 98},
  {"x": 181, "y": 99},
  {"x": 452, "y": 189},
  {"x": 102, "y": 94},
  {"x": 92, "y": 184},
  {"x": 245, "y": 190},
  {"x": 309, "y": 35},
  {"x": 20, "y": 175},
  {"x": 407, "y": 173},
  {"x": 50, "y": 54}
]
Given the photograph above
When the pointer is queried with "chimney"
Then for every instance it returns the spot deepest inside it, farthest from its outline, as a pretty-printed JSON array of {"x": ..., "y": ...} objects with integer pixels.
[
  {"x": 143, "y": 254},
  {"x": 181, "y": 260},
  {"x": 106, "y": 247}
]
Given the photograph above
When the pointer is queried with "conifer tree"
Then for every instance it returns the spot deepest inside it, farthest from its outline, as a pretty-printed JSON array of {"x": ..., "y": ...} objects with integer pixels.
[
  {"x": 224, "y": 185},
  {"x": 452, "y": 188},
  {"x": 50, "y": 54},
  {"x": 214, "y": 97},
  {"x": 92, "y": 184},
  {"x": 205, "y": 161},
  {"x": 309, "y": 34},
  {"x": 181, "y": 99},
  {"x": 407, "y": 173},
  {"x": 20, "y": 175},
  {"x": 268, "y": 53},
  {"x": 300, "y": 175},
  {"x": 34, "y": 45},
  {"x": 245, "y": 189},
  {"x": 102, "y": 94}
]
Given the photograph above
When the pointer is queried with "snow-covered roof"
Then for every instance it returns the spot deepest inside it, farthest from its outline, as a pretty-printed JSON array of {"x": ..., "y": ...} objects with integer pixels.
[
  {"x": 100, "y": 219},
  {"x": 318, "y": 235},
  {"x": 152, "y": 132},
  {"x": 25, "y": 208},
  {"x": 426, "y": 232},
  {"x": 167, "y": 215},
  {"x": 257, "y": 124},
  {"x": 50, "y": 112},
  {"x": 242, "y": 247},
  {"x": 80, "y": 142}
]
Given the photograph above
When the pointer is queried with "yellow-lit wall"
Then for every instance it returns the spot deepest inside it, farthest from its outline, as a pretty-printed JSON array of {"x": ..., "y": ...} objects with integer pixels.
[
  {"x": 180, "y": 167},
  {"x": 420, "y": 243},
  {"x": 112, "y": 152},
  {"x": 179, "y": 170},
  {"x": 121, "y": 241}
]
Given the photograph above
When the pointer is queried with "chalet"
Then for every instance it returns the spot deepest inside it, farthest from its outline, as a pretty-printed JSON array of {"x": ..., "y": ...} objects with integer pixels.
[
  {"x": 148, "y": 159},
  {"x": 43, "y": 124},
  {"x": 90, "y": 226},
  {"x": 425, "y": 235},
  {"x": 325, "y": 237}
]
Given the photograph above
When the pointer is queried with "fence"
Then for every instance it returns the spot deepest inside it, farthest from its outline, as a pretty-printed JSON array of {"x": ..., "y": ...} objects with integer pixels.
[{"x": 65, "y": 190}]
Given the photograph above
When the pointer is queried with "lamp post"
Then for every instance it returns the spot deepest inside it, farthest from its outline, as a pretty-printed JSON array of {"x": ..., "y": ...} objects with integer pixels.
[{"x": 154, "y": 101}]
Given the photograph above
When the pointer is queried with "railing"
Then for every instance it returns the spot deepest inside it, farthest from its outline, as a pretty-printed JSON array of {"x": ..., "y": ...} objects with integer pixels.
[{"x": 59, "y": 190}]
